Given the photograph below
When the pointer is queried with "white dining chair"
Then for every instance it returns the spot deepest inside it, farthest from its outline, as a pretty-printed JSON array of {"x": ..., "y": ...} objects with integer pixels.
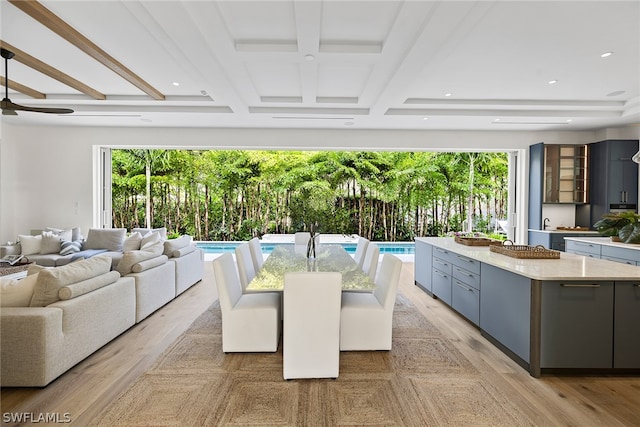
[
  {"x": 366, "y": 318},
  {"x": 311, "y": 325},
  {"x": 370, "y": 261},
  {"x": 256, "y": 253},
  {"x": 250, "y": 322},
  {"x": 302, "y": 238},
  {"x": 246, "y": 270},
  {"x": 361, "y": 250}
]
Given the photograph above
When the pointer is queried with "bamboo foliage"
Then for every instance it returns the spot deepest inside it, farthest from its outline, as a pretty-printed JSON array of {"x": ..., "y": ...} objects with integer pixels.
[{"x": 234, "y": 195}]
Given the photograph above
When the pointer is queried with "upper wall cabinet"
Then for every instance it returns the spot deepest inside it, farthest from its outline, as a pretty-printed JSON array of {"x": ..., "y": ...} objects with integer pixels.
[
  {"x": 566, "y": 174},
  {"x": 614, "y": 177}
]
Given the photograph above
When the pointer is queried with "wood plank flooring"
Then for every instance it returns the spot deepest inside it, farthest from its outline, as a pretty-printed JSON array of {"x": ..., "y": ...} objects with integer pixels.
[{"x": 93, "y": 384}]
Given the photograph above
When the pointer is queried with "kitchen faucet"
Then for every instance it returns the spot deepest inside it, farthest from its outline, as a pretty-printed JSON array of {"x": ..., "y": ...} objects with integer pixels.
[{"x": 545, "y": 223}]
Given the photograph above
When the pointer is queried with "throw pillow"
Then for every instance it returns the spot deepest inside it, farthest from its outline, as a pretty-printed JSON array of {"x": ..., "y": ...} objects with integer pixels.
[
  {"x": 17, "y": 292},
  {"x": 50, "y": 242},
  {"x": 129, "y": 259},
  {"x": 51, "y": 280},
  {"x": 110, "y": 239},
  {"x": 62, "y": 233},
  {"x": 132, "y": 243},
  {"x": 30, "y": 244},
  {"x": 68, "y": 248},
  {"x": 175, "y": 244},
  {"x": 144, "y": 231},
  {"x": 149, "y": 239}
]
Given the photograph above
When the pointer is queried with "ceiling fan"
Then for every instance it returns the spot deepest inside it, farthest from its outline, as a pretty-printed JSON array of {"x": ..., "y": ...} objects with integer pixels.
[{"x": 9, "y": 108}]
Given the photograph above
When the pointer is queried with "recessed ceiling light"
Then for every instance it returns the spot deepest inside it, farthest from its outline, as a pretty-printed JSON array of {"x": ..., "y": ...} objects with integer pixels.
[
  {"x": 175, "y": 84},
  {"x": 309, "y": 57},
  {"x": 497, "y": 120},
  {"x": 569, "y": 120},
  {"x": 552, "y": 82},
  {"x": 606, "y": 54},
  {"x": 425, "y": 118},
  {"x": 447, "y": 94},
  {"x": 203, "y": 92},
  {"x": 348, "y": 123},
  {"x": 616, "y": 93}
]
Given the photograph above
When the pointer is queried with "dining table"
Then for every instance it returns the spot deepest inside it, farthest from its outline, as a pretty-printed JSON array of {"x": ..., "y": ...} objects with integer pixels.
[{"x": 293, "y": 258}]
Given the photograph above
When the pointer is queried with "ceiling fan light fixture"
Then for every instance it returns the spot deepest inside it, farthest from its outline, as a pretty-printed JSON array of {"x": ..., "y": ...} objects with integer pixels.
[{"x": 10, "y": 108}]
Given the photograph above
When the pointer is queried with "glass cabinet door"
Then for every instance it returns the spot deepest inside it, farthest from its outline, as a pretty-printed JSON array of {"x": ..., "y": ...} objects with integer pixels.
[{"x": 565, "y": 174}]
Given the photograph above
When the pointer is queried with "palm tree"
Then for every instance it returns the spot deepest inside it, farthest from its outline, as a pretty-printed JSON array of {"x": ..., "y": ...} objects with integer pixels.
[{"x": 149, "y": 159}]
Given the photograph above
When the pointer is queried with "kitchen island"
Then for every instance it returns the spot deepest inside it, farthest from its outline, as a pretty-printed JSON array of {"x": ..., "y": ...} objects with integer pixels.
[
  {"x": 604, "y": 248},
  {"x": 574, "y": 314}
]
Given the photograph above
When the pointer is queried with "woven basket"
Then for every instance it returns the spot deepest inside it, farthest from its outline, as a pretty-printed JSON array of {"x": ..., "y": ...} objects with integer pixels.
[
  {"x": 476, "y": 241},
  {"x": 524, "y": 251}
]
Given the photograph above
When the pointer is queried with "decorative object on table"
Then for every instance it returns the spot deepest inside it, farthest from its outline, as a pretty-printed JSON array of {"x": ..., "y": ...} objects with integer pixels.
[
  {"x": 476, "y": 241},
  {"x": 620, "y": 226},
  {"x": 524, "y": 251},
  {"x": 311, "y": 245},
  {"x": 11, "y": 259}
]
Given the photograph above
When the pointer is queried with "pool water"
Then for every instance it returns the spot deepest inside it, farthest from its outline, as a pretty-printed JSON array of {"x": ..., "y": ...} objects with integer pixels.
[{"x": 398, "y": 248}]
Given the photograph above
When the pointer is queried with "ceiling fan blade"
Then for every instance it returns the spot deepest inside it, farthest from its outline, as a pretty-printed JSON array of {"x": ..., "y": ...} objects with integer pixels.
[{"x": 8, "y": 106}]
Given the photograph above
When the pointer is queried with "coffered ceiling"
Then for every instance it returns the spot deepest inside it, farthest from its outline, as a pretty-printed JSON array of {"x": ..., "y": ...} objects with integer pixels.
[{"x": 481, "y": 65}]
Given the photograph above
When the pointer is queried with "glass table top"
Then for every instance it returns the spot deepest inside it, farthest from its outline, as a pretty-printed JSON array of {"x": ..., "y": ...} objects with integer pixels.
[{"x": 289, "y": 258}]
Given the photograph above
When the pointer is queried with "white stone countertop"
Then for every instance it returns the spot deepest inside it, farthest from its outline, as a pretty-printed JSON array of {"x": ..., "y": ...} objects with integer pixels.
[
  {"x": 567, "y": 267},
  {"x": 605, "y": 241}
]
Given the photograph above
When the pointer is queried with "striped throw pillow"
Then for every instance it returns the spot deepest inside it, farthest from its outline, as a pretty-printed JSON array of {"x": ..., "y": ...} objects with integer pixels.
[{"x": 67, "y": 247}]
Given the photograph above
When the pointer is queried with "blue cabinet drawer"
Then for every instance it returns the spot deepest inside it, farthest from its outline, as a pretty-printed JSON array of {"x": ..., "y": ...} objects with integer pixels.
[
  {"x": 441, "y": 285},
  {"x": 466, "y": 301},
  {"x": 466, "y": 263},
  {"x": 466, "y": 277},
  {"x": 583, "y": 247},
  {"x": 622, "y": 254},
  {"x": 442, "y": 265}
]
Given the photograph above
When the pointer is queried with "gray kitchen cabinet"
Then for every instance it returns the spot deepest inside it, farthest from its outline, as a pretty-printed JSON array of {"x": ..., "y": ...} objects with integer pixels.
[
  {"x": 553, "y": 239},
  {"x": 577, "y": 325},
  {"x": 505, "y": 309},
  {"x": 441, "y": 279},
  {"x": 565, "y": 174},
  {"x": 423, "y": 266},
  {"x": 591, "y": 250},
  {"x": 626, "y": 337},
  {"x": 465, "y": 299},
  {"x": 618, "y": 254},
  {"x": 613, "y": 177}
]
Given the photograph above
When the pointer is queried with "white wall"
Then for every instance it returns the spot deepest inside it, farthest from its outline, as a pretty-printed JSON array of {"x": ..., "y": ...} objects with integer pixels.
[{"x": 46, "y": 173}]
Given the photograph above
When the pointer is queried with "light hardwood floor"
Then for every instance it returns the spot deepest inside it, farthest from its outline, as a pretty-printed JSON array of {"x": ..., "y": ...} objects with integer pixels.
[{"x": 92, "y": 385}]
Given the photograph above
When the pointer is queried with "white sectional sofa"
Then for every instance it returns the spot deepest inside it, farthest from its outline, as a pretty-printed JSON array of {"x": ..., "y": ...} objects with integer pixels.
[
  {"x": 39, "y": 343},
  {"x": 87, "y": 304}
]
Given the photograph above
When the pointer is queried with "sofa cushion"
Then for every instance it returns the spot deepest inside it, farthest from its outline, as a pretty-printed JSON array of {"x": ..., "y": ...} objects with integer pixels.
[
  {"x": 130, "y": 258},
  {"x": 51, "y": 280},
  {"x": 132, "y": 243},
  {"x": 30, "y": 244},
  {"x": 174, "y": 244},
  {"x": 17, "y": 292},
  {"x": 111, "y": 239},
  {"x": 86, "y": 286}
]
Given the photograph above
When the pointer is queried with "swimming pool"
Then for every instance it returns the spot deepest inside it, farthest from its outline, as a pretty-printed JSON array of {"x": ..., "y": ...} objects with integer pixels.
[{"x": 397, "y": 248}]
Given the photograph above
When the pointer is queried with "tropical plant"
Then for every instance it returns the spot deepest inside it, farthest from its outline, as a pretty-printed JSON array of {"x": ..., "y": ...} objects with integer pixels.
[{"x": 624, "y": 225}]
